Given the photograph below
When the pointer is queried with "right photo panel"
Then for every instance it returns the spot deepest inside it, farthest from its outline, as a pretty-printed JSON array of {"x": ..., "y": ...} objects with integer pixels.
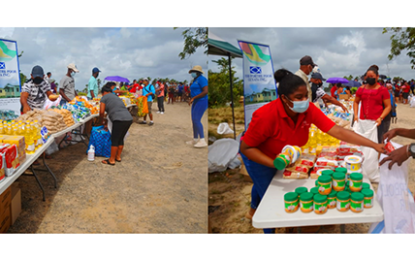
[{"x": 303, "y": 130}]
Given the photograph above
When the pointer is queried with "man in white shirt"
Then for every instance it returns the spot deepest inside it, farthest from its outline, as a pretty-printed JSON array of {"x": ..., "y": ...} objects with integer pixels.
[{"x": 306, "y": 67}]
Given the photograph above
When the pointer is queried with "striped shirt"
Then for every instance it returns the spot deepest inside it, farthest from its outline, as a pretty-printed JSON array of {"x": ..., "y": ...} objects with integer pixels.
[{"x": 37, "y": 93}]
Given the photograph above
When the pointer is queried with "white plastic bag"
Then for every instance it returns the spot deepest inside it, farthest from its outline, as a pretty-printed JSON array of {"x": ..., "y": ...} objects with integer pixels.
[
  {"x": 412, "y": 102},
  {"x": 235, "y": 163},
  {"x": 368, "y": 129},
  {"x": 395, "y": 199},
  {"x": 48, "y": 104},
  {"x": 221, "y": 154},
  {"x": 224, "y": 129}
]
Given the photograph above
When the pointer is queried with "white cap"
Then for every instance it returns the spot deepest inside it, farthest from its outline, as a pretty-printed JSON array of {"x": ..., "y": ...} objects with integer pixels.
[{"x": 73, "y": 67}]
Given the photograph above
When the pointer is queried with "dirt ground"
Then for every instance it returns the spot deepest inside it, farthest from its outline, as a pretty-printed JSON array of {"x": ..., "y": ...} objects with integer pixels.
[
  {"x": 229, "y": 192},
  {"x": 159, "y": 187}
]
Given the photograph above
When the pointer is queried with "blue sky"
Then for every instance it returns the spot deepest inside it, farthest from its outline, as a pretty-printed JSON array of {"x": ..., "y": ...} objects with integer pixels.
[{"x": 128, "y": 52}]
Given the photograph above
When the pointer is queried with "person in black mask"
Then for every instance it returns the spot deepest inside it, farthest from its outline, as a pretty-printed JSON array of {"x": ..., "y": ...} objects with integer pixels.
[
  {"x": 318, "y": 94},
  {"x": 35, "y": 91}
]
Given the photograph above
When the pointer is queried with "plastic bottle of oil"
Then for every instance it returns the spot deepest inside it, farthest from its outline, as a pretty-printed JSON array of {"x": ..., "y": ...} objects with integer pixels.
[
  {"x": 38, "y": 134},
  {"x": 1, "y": 129},
  {"x": 30, "y": 141}
]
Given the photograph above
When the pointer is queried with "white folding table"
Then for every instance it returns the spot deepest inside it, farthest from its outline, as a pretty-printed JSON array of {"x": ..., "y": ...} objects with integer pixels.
[{"x": 271, "y": 211}]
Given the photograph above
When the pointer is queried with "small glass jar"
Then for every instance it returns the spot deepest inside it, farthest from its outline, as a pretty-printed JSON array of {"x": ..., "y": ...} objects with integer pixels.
[
  {"x": 339, "y": 183},
  {"x": 314, "y": 190},
  {"x": 324, "y": 184},
  {"x": 306, "y": 202},
  {"x": 343, "y": 201},
  {"x": 327, "y": 173},
  {"x": 291, "y": 202},
  {"x": 355, "y": 183},
  {"x": 365, "y": 185},
  {"x": 320, "y": 204},
  {"x": 356, "y": 202},
  {"x": 301, "y": 190},
  {"x": 368, "y": 198},
  {"x": 332, "y": 200}
]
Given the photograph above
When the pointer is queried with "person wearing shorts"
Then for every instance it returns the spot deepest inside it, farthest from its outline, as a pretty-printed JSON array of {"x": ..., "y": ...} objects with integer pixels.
[
  {"x": 121, "y": 121},
  {"x": 405, "y": 92},
  {"x": 148, "y": 91}
]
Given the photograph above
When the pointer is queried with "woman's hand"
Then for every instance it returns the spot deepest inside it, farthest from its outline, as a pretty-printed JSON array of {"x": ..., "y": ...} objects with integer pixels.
[
  {"x": 390, "y": 134},
  {"x": 380, "y": 148},
  {"x": 398, "y": 156},
  {"x": 344, "y": 109},
  {"x": 378, "y": 121},
  {"x": 191, "y": 101}
]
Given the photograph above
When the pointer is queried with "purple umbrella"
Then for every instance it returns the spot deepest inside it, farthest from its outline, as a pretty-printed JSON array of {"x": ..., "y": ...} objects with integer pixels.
[
  {"x": 337, "y": 80},
  {"x": 117, "y": 79}
]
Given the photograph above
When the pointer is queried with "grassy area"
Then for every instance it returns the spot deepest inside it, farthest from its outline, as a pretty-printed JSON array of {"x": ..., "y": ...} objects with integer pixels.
[{"x": 224, "y": 115}]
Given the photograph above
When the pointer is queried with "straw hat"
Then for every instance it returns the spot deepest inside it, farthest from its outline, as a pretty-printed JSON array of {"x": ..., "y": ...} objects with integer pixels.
[{"x": 197, "y": 68}]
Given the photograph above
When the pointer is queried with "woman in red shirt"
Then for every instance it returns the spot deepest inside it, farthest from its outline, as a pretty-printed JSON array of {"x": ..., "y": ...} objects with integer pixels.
[
  {"x": 285, "y": 121},
  {"x": 405, "y": 92},
  {"x": 376, "y": 103}
]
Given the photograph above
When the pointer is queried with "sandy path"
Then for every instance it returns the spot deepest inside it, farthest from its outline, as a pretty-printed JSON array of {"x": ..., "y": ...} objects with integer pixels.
[
  {"x": 229, "y": 196},
  {"x": 159, "y": 187}
]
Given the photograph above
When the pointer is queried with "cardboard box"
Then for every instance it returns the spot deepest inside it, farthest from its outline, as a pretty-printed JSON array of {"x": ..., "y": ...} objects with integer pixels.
[
  {"x": 344, "y": 96},
  {"x": 16, "y": 202},
  {"x": 5, "y": 221},
  {"x": 5, "y": 200}
]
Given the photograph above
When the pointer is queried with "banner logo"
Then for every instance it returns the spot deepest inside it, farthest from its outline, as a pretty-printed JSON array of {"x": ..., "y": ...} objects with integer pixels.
[
  {"x": 2, "y": 66},
  {"x": 5, "y": 53},
  {"x": 255, "y": 70},
  {"x": 254, "y": 54}
]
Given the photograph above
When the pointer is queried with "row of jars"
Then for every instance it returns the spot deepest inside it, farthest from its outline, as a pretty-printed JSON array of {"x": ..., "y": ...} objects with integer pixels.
[{"x": 313, "y": 201}]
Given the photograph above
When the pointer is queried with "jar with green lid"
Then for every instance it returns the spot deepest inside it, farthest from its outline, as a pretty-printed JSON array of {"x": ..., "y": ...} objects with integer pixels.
[
  {"x": 314, "y": 190},
  {"x": 316, "y": 183},
  {"x": 343, "y": 201},
  {"x": 291, "y": 202},
  {"x": 368, "y": 198},
  {"x": 356, "y": 202},
  {"x": 341, "y": 170},
  {"x": 282, "y": 161},
  {"x": 324, "y": 184},
  {"x": 332, "y": 200},
  {"x": 365, "y": 185},
  {"x": 339, "y": 183},
  {"x": 320, "y": 204},
  {"x": 306, "y": 202},
  {"x": 301, "y": 190},
  {"x": 356, "y": 180},
  {"x": 327, "y": 172}
]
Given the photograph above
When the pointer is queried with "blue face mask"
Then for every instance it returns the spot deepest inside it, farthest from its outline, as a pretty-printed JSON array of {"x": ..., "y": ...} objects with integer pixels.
[
  {"x": 299, "y": 106},
  {"x": 73, "y": 74},
  {"x": 194, "y": 74}
]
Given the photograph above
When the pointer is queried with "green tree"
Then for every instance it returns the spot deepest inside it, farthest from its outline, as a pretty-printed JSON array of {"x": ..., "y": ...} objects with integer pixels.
[
  {"x": 350, "y": 77},
  {"x": 402, "y": 39},
  {"x": 193, "y": 39},
  {"x": 23, "y": 78},
  {"x": 396, "y": 79},
  {"x": 219, "y": 85}
]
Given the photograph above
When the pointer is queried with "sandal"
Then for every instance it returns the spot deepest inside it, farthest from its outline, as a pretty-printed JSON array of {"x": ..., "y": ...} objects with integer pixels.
[
  {"x": 117, "y": 160},
  {"x": 107, "y": 161}
]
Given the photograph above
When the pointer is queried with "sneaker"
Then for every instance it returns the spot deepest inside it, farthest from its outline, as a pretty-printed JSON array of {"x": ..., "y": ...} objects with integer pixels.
[
  {"x": 162, "y": 113},
  {"x": 143, "y": 122},
  {"x": 193, "y": 142},
  {"x": 158, "y": 112},
  {"x": 201, "y": 143},
  {"x": 151, "y": 123}
]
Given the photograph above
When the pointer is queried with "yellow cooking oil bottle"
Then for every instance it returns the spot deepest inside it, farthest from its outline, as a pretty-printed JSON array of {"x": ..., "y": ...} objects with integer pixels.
[
  {"x": 38, "y": 134},
  {"x": 30, "y": 140}
]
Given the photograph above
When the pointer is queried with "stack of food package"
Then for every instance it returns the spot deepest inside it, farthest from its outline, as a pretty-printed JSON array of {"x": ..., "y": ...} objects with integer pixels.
[
  {"x": 78, "y": 110},
  {"x": 301, "y": 168},
  {"x": 53, "y": 121},
  {"x": 67, "y": 116}
]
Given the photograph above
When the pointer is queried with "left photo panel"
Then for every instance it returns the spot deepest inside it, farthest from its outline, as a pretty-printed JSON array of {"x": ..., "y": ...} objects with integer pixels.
[{"x": 102, "y": 130}]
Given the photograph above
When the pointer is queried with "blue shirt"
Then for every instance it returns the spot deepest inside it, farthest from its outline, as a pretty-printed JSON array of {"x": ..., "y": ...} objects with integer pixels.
[
  {"x": 181, "y": 87},
  {"x": 197, "y": 87},
  {"x": 149, "y": 88},
  {"x": 92, "y": 85}
]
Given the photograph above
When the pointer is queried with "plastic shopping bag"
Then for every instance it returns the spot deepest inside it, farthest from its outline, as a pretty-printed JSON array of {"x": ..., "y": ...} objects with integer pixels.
[
  {"x": 48, "y": 104},
  {"x": 368, "y": 129},
  {"x": 412, "y": 102},
  {"x": 395, "y": 199},
  {"x": 224, "y": 129},
  {"x": 142, "y": 106},
  {"x": 221, "y": 154},
  {"x": 101, "y": 140}
]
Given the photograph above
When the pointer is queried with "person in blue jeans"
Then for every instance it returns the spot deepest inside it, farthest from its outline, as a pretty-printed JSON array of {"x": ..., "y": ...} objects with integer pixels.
[{"x": 199, "y": 102}]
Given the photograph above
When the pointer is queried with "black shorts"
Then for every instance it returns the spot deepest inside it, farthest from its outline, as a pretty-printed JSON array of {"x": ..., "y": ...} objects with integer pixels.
[
  {"x": 397, "y": 93},
  {"x": 119, "y": 130},
  {"x": 405, "y": 95}
]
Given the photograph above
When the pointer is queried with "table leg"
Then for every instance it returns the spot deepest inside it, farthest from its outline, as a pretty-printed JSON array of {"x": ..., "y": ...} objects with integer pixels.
[
  {"x": 50, "y": 171},
  {"x": 38, "y": 181}
]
